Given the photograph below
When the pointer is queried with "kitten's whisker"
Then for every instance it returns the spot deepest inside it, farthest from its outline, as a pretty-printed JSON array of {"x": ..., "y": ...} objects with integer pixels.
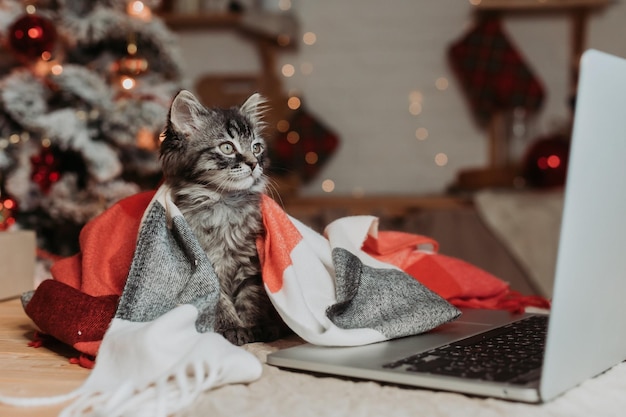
[{"x": 274, "y": 191}]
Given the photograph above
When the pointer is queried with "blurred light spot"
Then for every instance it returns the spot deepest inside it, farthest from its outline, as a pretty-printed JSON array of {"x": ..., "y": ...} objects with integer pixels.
[
  {"x": 442, "y": 83},
  {"x": 293, "y": 137},
  {"x": 311, "y": 158},
  {"x": 328, "y": 186},
  {"x": 415, "y": 95},
  {"x": 294, "y": 103},
  {"x": 554, "y": 161},
  {"x": 415, "y": 108},
  {"x": 283, "y": 39},
  {"x": 441, "y": 159},
  {"x": 288, "y": 70},
  {"x": 309, "y": 38},
  {"x": 57, "y": 69},
  {"x": 282, "y": 126},
  {"x": 284, "y": 5},
  {"x": 421, "y": 133},
  {"x": 128, "y": 83}
]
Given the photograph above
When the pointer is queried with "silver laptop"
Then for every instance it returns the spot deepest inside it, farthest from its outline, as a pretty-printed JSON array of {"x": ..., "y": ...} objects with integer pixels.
[{"x": 587, "y": 323}]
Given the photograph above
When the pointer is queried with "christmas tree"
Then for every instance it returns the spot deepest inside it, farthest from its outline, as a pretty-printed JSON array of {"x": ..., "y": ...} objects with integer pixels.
[{"x": 85, "y": 87}]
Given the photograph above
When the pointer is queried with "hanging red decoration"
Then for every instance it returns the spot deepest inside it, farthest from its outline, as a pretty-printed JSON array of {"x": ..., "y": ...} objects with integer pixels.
[
  {"x": 8, "y": 208},
  {"x": 45, "y": 169},
  {"x": 32, "y": 35},
  {"x": 304, "y": 147}
]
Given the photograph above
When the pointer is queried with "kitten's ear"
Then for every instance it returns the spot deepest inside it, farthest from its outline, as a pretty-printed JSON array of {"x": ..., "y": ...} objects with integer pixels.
[
  {"x": 185, "y": 113},
  {"x": 254, "y": 107}
]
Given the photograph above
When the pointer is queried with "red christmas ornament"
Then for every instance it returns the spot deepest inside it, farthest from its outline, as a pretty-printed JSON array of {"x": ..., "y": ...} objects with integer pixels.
[
  {"x": 8, "y": 208},
  {"x": 32, "y": 35},
  {"x": 45, "y": 170},
  {"x": 545, "y": 163}
]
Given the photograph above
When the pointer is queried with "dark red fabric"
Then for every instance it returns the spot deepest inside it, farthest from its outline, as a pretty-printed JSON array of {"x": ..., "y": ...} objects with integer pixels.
[
  {"x": 70, "y": 315},
  {"x": 492, "y": 71}
]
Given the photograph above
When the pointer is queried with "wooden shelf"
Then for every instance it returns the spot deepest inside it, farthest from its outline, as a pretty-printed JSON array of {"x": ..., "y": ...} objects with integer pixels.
[
  {"x": 279, "y": 28},
  {"x": 393, "y": 205},
  {"x": 531, "y": 5},
  {"x": 500, "y": 172},
  {"x": 184, "y": 21}
]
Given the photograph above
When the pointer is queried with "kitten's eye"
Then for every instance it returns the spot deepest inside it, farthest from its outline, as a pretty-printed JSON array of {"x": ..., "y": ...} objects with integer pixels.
[
  {"x": 227, "y": 148},
  {"x": 257, "y": 148}
]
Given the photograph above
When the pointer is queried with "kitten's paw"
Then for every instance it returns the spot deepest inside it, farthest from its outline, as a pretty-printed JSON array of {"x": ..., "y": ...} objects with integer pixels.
[{"x": 238, "y": 336}]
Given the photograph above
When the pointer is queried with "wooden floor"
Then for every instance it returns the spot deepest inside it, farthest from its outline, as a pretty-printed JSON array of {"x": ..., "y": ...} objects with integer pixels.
[{"x": 32, "y": 372}]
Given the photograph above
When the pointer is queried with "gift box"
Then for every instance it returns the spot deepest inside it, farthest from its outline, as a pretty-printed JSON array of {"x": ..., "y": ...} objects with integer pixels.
[{"x": 17, "y": 263}]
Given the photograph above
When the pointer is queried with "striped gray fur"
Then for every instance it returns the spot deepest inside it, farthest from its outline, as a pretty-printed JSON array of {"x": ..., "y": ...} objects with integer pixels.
[{"x": 214, "y": 160}]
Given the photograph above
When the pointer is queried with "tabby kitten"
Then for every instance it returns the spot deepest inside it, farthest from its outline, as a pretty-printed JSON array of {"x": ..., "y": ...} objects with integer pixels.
[{"x": 213, "y": 161}]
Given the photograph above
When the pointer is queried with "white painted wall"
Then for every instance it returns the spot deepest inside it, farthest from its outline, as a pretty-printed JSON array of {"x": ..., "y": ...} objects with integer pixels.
[{"x": 371, "y": 54}]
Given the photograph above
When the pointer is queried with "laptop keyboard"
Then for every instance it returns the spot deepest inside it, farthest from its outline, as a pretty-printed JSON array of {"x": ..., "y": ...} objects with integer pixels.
[{"x": 512, "y": 353}]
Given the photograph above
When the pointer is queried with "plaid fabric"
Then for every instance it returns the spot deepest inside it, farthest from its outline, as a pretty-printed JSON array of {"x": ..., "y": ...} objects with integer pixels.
[
  {"x": 492, "y": 71},
  {"x": 304, "y": 148}
]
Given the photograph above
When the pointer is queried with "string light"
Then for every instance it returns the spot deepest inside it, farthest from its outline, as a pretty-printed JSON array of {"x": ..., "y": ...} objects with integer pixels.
[
  {"x": 311, "y": 158},
  {"x": 294, "y": 103},
  {"x": 415, "y": 108},
  {"x": 56, "y": 69},
  {"x": 288, "y": 70},
  {"x": 31, "y": 9},
  {"x": 421, "y": 133},
  {"x": 328, "y": 185},
  {"x": 283, "y": 39},
  {"x": 415, "y": 102},
  {"x": 552, "y": 161},
  {"x": 282, "y": 126},
  {"x": 415, "y": 95},
  {"x": 128, "y": 83},
  {"x": 441, "y": 159},
  {"x": 293, "y": 137},
  {"x": 145, "y": 139},
  {"x": 442, "y": 83},
  {"x": 284, "y": 5},
  {"x": 139, "y": 10},
  {"x": 309, "y": 38}
]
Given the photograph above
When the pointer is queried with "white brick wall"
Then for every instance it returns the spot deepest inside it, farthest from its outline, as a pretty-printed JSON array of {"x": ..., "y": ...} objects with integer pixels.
[{"x": 371, "y": 54}]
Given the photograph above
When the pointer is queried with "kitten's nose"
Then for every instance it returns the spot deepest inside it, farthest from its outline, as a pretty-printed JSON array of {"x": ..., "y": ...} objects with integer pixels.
[{"x": 252, "y": 164}]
